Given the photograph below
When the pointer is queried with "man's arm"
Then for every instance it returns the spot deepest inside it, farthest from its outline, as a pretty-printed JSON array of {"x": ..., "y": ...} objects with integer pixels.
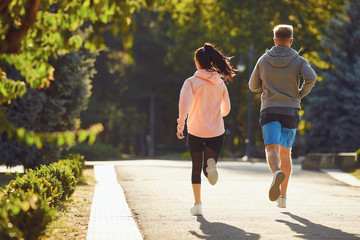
[
  {"x": 309, "y": 77},
  {"x": 255, "y": 80}
]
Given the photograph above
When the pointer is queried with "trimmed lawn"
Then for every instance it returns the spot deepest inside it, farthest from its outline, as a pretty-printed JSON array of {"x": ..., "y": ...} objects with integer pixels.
[{"x": 71, "y": 221}]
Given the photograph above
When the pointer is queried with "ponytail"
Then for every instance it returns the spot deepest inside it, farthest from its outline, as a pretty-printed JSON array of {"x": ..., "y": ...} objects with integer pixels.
[{"x": 212, "y": 59}]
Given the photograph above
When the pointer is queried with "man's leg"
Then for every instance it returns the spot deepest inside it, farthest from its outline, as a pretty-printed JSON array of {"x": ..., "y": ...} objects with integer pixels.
[
  {"x": 272, "y": 156},
  {"x": 286, "y": 167}
]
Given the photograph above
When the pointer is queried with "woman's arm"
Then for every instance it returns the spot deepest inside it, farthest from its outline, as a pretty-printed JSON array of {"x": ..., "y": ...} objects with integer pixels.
[{"x": 185, "y": 102}]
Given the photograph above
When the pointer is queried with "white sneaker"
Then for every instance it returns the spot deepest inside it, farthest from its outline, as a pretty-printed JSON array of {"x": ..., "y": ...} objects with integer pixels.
[
  {"x": 196, "y": 210},
  {"x": 274, "y": 191},
  {"x": 281, "y": 201},
  {"x": 212, "y": 172}
]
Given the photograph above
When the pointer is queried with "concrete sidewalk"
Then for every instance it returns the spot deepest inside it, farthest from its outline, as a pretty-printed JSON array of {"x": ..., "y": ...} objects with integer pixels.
[{"x": 110, "y": 218}]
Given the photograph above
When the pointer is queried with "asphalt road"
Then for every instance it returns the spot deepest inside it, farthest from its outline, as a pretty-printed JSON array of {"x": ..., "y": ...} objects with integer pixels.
[{"x": 159, "y": 194}]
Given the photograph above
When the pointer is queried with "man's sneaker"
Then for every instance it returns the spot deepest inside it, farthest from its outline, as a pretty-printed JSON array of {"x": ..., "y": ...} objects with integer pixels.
[
  {"x": 281, "y": 201},
  {"x": 212, "y": 172},
  {"x": 196, "y": 210},
  {"x": 274, "y": 192}
]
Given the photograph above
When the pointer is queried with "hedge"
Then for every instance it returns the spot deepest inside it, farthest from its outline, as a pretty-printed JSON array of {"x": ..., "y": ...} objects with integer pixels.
[
  {"x": 96, "y": 152},
  {"x": 29, "y": 202}
]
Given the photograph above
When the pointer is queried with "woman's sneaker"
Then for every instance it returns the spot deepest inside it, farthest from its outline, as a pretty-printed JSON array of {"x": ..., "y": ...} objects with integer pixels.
[
  {"x": 281, "y": 201},
  {"x": 212, "y": 172},
  {"x": 278, "y": 178},
  {"x": 196, "y": 210}
]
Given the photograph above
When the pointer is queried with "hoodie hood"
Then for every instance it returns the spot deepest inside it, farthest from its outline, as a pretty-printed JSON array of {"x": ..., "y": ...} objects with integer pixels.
[
  {"x": 280, "y": 56},
  {"x": 211, "y": 76}
]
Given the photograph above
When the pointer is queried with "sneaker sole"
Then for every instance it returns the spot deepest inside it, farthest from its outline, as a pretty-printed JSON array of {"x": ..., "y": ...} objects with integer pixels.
[
  {"x": 274, "y": 192},
  {"x": 212, "y": 174}
]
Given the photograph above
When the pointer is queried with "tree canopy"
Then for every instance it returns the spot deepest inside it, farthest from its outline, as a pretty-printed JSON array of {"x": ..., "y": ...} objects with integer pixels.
[
  {"x": 334, "y": 110},
  {"x": 34, "y": 31}
]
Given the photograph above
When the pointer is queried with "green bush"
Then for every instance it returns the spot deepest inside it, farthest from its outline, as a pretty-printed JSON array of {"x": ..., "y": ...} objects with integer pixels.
[
  {"x": 358, "y": 155},
  {"x": 24, "y": 215},
  {"x": 96, "y": 152},
  {"x": 47, "y": 188},
  {"x": 61, "y": 173},
  {"x": 75, "y": 162},
  {"x": 7, "y": 230}
]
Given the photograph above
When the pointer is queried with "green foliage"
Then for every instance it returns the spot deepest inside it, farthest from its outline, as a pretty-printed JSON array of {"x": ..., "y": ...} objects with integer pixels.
[
  {"x": 53, "y": 111},
  {"x": 334, "y": 110},
  {"x": 25, "y": 207},
  {"x": 233, "y": 26},
  {"x": 62, "y": 174},
  {"x": 358, "y": 155},
  {"x": 46, "y": 187},
  {"x": 122, "y": 90},
  {"x": 163, "y": 51},
  {"x": 34, "y": 32},
  {"x": 10, "y": 89},
  {"x": 97, "y": 152},
  {"x": 7, "y": 230},
  {"x": 75, "y": 162},
  {"x": 24, "y": 215}
]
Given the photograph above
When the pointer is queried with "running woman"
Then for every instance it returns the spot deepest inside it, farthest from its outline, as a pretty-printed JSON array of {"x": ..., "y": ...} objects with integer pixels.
[
  {"x": 204, "y": 101},
  {"x": 277, "y": 75}
]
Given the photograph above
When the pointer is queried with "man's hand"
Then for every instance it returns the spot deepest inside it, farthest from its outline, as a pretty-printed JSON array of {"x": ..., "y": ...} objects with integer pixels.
[{"x": 180, "y": 135}]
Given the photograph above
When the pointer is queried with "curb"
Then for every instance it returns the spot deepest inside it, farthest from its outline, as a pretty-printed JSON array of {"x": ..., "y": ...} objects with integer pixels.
[{"x": 342, "y": 177}]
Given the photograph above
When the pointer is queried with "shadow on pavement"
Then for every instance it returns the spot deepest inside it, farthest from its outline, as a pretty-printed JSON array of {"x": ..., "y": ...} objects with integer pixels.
[
  {"x": 219, "y": 231},
  {"x": 312, "y": 231}
]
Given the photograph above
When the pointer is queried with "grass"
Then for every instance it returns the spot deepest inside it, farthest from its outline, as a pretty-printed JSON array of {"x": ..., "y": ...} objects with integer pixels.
[
  {"x": 71, "y": 222},
  {"x": 356, "y": 173}
]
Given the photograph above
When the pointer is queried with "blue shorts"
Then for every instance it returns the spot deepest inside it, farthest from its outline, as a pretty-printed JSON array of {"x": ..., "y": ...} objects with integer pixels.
[{"x": 279, "y": 129}]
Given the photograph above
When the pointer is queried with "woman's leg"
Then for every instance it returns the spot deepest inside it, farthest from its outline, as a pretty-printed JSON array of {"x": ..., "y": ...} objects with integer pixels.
[
  {"x": 196, "y": 147},
  {"x": 196, "y": 158},
  {"x": 208, "y": 153},
  {"x": 212, "y": 149}
]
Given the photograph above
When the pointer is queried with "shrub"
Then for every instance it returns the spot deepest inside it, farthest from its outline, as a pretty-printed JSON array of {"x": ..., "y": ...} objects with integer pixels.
[
  {"x": 24, "y": 215},
  {"x": 75, "y": 162},
  {"x": 96, "y": 152},
  {"x": 47, "y": 188},
  {"x": 7, "y": 229},
  {"x": 186, "y": 155},
  {"x": 61, "y": 173},
  {"x": 358, "y": 155}
]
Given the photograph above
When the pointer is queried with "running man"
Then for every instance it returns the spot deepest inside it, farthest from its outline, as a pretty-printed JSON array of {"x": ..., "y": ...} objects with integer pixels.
[{"x": 277, "y": 75}]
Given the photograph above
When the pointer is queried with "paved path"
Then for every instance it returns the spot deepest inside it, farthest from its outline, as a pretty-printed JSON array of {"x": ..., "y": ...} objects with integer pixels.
[
  {"x": 160, "y": 196},
  {"x": 110, "y": 218}
]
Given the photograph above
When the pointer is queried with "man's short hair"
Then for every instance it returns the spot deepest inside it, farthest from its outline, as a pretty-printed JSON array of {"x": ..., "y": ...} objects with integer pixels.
[{"x": 283, "y": 31}]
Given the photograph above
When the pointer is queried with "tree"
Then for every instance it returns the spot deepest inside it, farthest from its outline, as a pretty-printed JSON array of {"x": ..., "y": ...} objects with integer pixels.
[
  {"x": 333, "y": 108},
  {"x": 33, "y": 31},
  {"x": 233, "y": 26},
  {"x": 53, "y": 109},
  {"x": 122, "y": 89}
]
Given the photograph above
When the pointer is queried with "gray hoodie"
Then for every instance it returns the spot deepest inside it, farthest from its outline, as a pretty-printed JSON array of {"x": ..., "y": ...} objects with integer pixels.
[{"x": 277, "y": 74}]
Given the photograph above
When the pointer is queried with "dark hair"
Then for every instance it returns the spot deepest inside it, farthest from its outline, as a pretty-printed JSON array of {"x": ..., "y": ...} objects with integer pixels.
[{"x": 210, "y": 58}]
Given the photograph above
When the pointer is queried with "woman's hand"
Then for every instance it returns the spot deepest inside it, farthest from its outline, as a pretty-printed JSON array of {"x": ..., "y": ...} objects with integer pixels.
[{"x": 180, "y": 135}]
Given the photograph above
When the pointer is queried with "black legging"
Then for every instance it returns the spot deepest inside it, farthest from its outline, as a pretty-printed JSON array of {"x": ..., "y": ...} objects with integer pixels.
[{"x": 210, "y": 147}]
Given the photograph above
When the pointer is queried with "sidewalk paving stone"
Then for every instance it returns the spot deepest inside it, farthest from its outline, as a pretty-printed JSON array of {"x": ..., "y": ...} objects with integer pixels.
[{"x": 110, "y": 217}]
